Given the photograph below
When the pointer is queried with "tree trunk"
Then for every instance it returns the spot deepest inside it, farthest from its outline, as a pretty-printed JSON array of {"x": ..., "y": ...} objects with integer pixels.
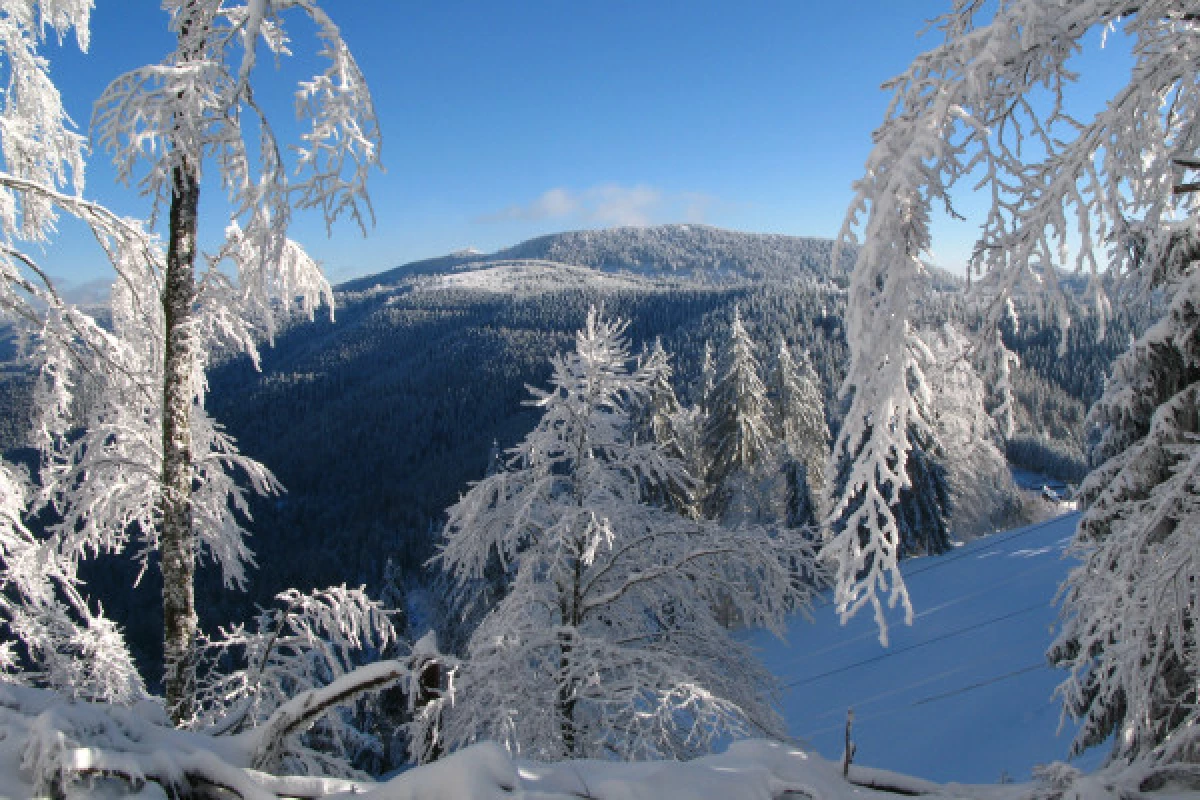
[{"x": 178, "y": 541}]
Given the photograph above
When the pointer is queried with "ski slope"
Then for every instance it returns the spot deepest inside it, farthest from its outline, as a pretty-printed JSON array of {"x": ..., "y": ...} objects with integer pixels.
[{"x": 964, "y": 694}]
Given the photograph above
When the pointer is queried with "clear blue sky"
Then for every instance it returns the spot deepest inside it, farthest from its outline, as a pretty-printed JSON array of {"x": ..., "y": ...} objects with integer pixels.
[{"x": 506, "y": 120}]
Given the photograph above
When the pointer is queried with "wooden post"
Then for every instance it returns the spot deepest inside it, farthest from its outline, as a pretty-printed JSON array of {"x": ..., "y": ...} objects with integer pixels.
[{"x": 848, "y": 756}]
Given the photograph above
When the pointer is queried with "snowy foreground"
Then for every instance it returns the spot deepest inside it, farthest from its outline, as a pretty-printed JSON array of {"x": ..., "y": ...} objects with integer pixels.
[
  {"x": 41, "y": 756},
  {"x": 959, "y": 696}
]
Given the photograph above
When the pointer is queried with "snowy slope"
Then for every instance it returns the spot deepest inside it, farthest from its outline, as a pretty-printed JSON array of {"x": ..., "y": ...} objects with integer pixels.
[
  {"x": 962, "y": 695},
  {"x": 529, "y": 277}
]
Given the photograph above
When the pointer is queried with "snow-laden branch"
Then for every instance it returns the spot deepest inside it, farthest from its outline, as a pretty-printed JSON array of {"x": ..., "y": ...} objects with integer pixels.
[
  {"x": 1111, "y": 194},
  {"x": 300, "y": 712}
]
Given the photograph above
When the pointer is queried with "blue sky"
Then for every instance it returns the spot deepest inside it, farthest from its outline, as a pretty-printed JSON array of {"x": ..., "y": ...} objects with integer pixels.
[{"x": 503, "y": 121}]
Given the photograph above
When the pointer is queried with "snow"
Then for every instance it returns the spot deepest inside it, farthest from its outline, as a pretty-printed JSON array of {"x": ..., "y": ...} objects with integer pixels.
[
  {"x": 962, "y": 695},
  {"x": 962, "y": 699},
  {"x": 749, "y": 770},
  {"x": 530, "y": 277}
]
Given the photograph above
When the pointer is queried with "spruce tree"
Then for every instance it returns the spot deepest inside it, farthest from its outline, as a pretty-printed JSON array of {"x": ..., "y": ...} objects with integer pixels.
[
  {"x": 738, "y": 433},
  {"x": 1130, "y": 608},
  {"x": 804, "y": 434},
  {"x": 659, "y": 418}
]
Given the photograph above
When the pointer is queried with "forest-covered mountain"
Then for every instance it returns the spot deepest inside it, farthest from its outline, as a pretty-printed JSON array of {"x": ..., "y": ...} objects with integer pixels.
[
  {"x": 378, "y": 421},
  {"x": 695, "y": 253}
]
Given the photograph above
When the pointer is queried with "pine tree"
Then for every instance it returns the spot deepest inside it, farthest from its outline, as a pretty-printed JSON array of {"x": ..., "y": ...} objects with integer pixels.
[
  {"x": 738, "y": 433},
  {"x": 923, "y": 512},
  {"x": 708, "y": 377},
  {"x": 657, "y": 418},
  {"x": 606, "y": 642},
  {"x": 890, "y": 498},
  {"x": 983, "y": 497}
]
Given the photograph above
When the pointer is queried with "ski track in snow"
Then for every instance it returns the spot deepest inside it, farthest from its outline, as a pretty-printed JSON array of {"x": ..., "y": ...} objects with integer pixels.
[{"x": 965, "y": 693}]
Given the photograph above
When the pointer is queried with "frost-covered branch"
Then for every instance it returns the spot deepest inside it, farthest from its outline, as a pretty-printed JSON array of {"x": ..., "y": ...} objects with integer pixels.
[{"x": 989, "y": 102}]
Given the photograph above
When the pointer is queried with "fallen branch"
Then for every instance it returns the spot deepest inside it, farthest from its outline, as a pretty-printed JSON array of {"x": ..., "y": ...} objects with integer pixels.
[
  {"x": 881, "y": 780},
  {"x": 298, "y": 714}
]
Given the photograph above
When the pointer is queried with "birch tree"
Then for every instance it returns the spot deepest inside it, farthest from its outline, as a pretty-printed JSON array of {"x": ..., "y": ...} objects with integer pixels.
[
  {"x": 60, "y": 638},
  {"x": 607, "y": 643},
  {"x": 163, "y": 125},
  {"x": 1109, "y": 192}
]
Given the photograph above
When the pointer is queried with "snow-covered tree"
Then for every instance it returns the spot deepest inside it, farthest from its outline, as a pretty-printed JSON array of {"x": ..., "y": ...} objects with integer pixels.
[
  {"x": 877, "y": 513},
  {"x": 162, "y": 124},
  {"x": 989, "y": 101},
  {"x": 308, "y": 642},
  {"x": 56, "y": 637},
  {"x": 923, "y": 510},
  {"x": 606, "y": 644},
  {"x": 999, "y": 363},
  {"x": 804, "y": 434},
  {"x": 100, "y": 428},
  {"x": 708, "y": 377},
  {"x": 739, "y": 435},
  {"x": 659, "y": 418},
  {"x": 41, "y": 154},
  {"x": 653, "y": 418},
  {"x": 1132, "y": 606},
  {"x": 983, "y": 496}
]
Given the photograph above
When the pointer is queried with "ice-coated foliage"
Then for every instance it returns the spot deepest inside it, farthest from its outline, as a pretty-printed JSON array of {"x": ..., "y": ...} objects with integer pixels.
[
  {"x": 100, "y": 426},
  {"x": 42, "y": 157},
  {"x": 307, "y": 642},
  {"x": 988, "y": 101},
  {"x": 54, "y": 636},
  {"x": 164, "y": 125},
  {"x": 606, "y": 643},
  {"x": 1131, "y": 607},
  {"x": 198, "y": 104},
  {"x": 871, "y": 461},
  {"x": 983, "y": 496}
]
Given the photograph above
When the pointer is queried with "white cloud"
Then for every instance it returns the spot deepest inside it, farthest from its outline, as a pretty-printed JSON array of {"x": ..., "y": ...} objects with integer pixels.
[
  {"x": 609, "y": 204},
  {"x": 618, "y": 205}
]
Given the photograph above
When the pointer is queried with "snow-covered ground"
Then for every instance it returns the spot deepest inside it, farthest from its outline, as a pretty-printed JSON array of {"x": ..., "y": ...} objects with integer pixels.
[{"x": 962, "y": 695}]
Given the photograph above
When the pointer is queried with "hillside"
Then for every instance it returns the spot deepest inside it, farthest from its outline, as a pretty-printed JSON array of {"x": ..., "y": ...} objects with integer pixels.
[
  {"x": 964, "y": 694},
  {"x": 376, "y": 422},
  {"x": 959, "y": 706}
]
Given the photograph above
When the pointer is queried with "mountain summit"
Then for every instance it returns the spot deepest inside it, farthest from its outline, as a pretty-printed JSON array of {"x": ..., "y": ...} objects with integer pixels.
[{"x": 689, "y": 253}]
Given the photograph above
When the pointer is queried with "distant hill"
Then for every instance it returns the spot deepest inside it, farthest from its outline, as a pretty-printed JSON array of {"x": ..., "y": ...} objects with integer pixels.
[{"x": 694, "y": 253}]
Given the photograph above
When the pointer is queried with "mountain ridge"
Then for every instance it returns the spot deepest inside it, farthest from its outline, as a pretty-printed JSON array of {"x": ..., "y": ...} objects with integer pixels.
[{"x": 692, "y": 253}]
